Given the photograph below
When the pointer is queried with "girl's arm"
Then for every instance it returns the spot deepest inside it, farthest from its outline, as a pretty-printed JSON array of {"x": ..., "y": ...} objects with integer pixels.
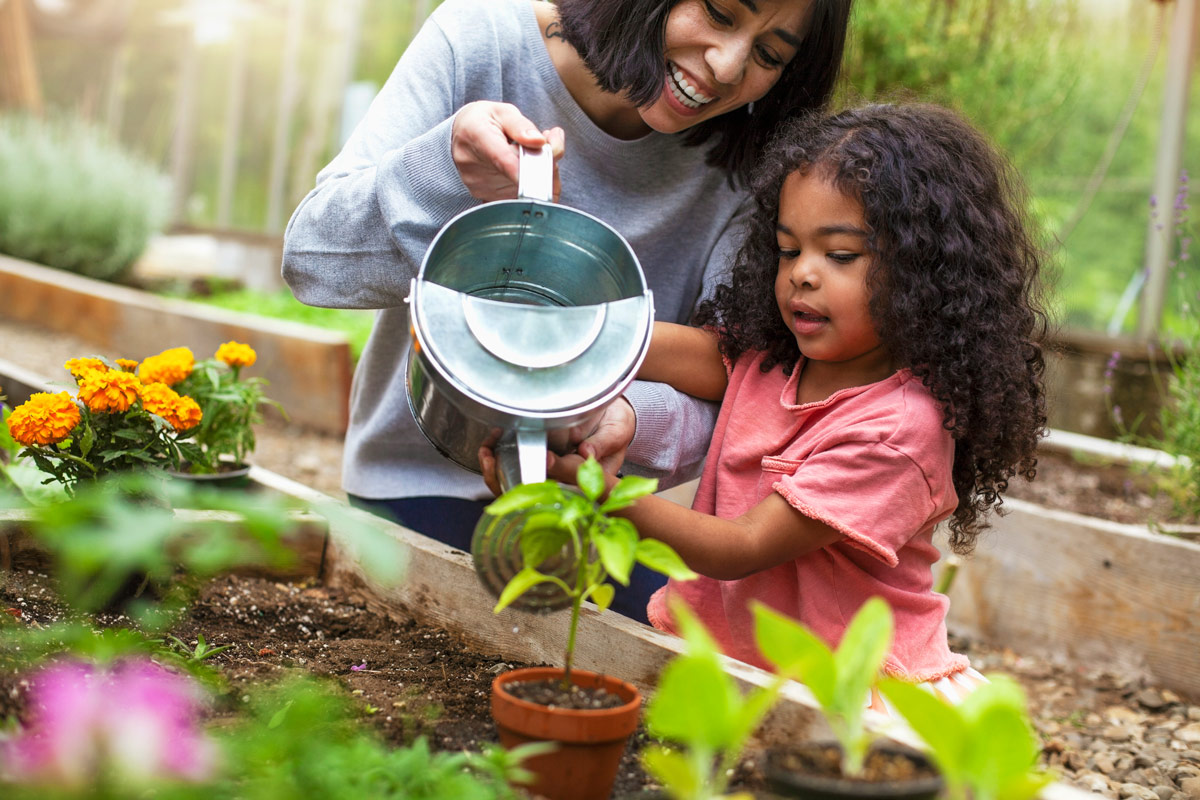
[
  {"x": 769, "y": 534},
  {"x": 687, "y": 359}
]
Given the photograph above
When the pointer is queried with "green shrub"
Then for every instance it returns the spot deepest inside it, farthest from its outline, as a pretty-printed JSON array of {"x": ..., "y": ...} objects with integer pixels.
[{"x": 74, "y": 200}]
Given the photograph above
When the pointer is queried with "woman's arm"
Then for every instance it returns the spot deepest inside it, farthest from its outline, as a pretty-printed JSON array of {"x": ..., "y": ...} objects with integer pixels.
[{"x": 687, "y": 358}]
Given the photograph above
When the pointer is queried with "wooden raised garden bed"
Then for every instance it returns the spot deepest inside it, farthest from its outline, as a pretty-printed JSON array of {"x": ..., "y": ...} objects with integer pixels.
[{"x": 309, "y": 368}]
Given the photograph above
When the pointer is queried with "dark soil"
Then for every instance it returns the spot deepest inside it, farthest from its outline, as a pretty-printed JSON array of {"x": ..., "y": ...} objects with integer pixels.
[
  {"x": 552, "y": 693},
  {"x": 825, "y": 761}
]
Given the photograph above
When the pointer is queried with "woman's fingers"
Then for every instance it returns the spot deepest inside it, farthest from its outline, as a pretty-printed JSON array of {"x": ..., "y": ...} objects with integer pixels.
[{"x": 483, "y": 145}]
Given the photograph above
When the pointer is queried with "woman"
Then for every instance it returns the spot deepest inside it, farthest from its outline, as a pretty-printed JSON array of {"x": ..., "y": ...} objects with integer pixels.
[{"x": 660, "y": 107}]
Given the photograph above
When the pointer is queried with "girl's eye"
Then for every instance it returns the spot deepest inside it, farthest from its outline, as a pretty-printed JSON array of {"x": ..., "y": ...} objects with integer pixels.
[
  {"x": 716, "y": 15},
  {"x": 843, "y": 258},
  {"x": 786, "y": 254}
]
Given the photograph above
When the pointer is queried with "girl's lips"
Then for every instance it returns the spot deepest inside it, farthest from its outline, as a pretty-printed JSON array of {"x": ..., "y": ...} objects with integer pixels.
[{"x": 806, "y": 323}]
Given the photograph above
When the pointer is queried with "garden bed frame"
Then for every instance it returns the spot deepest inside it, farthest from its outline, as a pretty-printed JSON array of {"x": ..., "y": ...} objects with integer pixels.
[
  {"x": 1045, "y": 578},
  {"x": 308, "y": 368}
]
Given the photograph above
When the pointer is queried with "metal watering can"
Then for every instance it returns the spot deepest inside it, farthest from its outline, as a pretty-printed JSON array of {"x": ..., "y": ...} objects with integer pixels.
[{"x": 528, "y": 318}]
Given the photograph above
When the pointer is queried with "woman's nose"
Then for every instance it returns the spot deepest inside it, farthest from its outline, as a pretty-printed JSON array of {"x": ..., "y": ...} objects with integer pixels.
[{"x": 727, "y": 59}]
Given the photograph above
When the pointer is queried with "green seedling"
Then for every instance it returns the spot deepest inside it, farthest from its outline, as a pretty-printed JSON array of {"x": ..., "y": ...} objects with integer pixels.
[
  {"x": 601, "y": 546},
  {"x": 200, "y": 652},
  {"x": 700, "y": 710},
  {"x": 840, "y": 680},
  {"x": 984, "y": 746}
]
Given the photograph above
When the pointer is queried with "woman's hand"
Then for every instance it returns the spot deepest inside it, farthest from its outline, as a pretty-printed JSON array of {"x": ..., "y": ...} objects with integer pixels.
[{"x": 483, "y": 143}]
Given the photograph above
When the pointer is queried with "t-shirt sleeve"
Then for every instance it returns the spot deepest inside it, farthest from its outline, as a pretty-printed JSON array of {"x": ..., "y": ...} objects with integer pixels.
[{"x": 873, "y": 494}]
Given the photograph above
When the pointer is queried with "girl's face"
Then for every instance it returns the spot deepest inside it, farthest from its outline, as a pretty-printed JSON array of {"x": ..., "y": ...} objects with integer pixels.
[
  {"x": 721, "y": 55},
  {"x": 821, "y": 285}
]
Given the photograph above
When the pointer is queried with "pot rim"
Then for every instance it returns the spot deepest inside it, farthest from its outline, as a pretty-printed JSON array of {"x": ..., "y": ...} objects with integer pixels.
[{"x": 603, "y": 680}]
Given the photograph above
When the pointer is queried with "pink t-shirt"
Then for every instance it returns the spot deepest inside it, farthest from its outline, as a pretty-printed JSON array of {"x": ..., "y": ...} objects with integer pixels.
[{"x": 874, "y": 463}]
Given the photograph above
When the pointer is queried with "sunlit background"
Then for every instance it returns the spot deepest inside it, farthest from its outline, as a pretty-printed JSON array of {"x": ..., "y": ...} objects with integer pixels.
[{"x": 241, "y": 102}]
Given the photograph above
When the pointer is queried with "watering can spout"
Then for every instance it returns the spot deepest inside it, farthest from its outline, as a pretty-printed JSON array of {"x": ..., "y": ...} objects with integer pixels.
[{"x": 521, "y": 458}]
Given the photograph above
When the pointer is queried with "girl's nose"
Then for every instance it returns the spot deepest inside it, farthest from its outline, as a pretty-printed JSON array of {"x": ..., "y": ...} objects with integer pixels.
[
  {"x": 727, "y": 59},
  {"x": 805, "y": 275}
]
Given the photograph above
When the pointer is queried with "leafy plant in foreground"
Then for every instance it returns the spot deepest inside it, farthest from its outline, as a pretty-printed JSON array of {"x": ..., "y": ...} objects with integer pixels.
[
  {"x": 984, "y": 746},
  {"x": 699, "y": 709},
  {"x": 579, "y": 523},
  {"x": 841, "y": 680}
]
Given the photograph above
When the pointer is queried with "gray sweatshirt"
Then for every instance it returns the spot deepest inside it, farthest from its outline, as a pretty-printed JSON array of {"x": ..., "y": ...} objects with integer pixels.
[{"x": 357, "y": 239}]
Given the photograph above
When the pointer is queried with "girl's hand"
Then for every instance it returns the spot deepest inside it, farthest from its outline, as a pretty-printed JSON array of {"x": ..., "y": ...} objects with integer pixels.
[
  {"x": 483, "y": 144},
  {"x": 608, "y": 441}
]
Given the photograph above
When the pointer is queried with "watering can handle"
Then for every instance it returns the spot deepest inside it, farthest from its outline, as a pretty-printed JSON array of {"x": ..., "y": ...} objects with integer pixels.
[{"x": 535, "y": 174}]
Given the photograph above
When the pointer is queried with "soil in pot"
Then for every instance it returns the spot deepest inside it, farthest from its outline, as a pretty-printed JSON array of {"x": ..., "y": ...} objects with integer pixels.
[{"x": 814, "y": 771}]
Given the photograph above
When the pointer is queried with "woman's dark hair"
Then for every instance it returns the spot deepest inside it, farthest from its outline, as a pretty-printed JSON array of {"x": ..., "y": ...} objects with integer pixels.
[
  {"x": 955, "y": 284},
  {"x": 622, "y": 42}
]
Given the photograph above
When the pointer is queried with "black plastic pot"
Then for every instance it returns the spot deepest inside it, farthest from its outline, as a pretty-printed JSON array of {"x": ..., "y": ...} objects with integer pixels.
[{"x": 790, "y": 772}]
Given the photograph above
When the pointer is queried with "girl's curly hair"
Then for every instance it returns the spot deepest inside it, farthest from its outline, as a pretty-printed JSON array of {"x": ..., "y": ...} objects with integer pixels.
[{"x": 955, "y": 287}]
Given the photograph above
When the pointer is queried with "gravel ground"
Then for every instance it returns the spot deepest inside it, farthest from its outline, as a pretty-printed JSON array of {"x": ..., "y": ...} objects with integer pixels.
[{"x": 1104, "y": 731}]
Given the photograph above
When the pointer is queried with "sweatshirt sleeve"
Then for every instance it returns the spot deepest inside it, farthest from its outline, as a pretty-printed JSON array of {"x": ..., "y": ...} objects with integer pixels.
[
  {"x": 674, "y": 430},
  {"x": 357, "y": 239}
]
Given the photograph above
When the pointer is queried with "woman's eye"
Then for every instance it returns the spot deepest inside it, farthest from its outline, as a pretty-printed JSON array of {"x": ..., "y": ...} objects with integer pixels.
[
  {"x": 768, "y": 58},
  {"x": 716, "y": 14}
]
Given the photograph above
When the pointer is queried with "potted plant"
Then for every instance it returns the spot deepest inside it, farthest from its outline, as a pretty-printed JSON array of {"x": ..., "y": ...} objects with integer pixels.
[
  {"x": 985, "y": 746},
  {"x": 856, "y": 764},
  {"x": 231, "y": 404},
  {"x": 590, "y": 716}
]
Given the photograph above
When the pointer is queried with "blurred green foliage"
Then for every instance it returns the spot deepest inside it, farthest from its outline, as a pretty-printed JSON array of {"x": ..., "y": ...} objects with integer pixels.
[
  {"x": 73, "y": 198},
  {"x": 1047, "y": 79}
]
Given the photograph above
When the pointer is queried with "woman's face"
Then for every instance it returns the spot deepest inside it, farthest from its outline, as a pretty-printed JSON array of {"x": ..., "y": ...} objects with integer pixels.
[{"x": 721, "y": 55}]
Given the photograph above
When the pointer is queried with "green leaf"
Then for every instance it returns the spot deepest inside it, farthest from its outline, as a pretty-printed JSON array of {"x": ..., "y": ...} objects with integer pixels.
[
  {"x": 541, "y": 538},
  {"x": 937, "y": 722},
  {"x": 524, "y": 496},
  {"x": 696, "y": 702},
  {"x": 861, "y": 652},
  {"x": 627, "y": 491},
  {"x": 518, "y": 585},
  {"x": 617, "y": 545},
  {"x": 796, "y": 652},
  {"x": 673, "y": 770},
  {"x": 590, "y": 479},
  {"x": 602, "y": 595},
  {"x": 87, "y": 440},
  {"x": 659, "y": 557}
]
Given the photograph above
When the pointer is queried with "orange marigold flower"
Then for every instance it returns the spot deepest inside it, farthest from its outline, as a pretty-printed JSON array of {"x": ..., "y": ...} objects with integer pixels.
[
  {"x": 236, "y": 354},
  {"x": 127, "y": 364},
  {"x": 78, "y": 366},
  {"x": 110, "y": 392},
  {"x": 181, "y": 412},
  {"x": 44, "y": 418},
  {"x": 169, "y": 366}
]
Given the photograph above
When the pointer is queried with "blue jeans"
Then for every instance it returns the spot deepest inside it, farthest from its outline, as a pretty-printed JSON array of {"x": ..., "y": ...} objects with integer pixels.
[{"x": 451, "y": 520}]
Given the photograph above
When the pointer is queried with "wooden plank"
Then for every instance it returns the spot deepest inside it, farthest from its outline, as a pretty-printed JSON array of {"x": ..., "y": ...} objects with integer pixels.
[
  {"x": 1048, "y": 582},
  {"x": 309, "y": 368},
  {"x": 307, "y": 539}
]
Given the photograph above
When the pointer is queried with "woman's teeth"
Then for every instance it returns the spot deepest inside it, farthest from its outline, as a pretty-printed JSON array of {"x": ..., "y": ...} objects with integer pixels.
[{"x": 684, "y": 92}]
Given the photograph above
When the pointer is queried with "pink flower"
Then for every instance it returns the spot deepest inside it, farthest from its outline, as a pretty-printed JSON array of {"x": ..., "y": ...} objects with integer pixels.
[{"x": 135, "y": 720}]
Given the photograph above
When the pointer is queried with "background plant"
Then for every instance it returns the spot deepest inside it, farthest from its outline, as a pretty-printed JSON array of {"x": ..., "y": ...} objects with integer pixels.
[
  {"x": 73, "y": 198},
  {"x": 232, "y": 406},
  {"x": 841, "y": 680},
  {"x": 984, "y": 746},
  {"x": 600, "y": 546}
]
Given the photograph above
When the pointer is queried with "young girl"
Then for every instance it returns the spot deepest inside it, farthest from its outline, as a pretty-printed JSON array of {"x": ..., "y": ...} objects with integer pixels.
[
  {"x": 660, "y": 107},
  {"x": 876, "y": 351}
]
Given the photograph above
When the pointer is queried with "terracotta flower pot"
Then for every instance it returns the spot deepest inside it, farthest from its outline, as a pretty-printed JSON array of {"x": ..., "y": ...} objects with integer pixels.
[
  {"x": 590, "y": 742},
  {"x": 787, "y": 773}
]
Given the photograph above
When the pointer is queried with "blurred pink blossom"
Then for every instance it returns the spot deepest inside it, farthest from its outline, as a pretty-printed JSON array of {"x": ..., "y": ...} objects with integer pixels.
[{"x": 135, "y": 721}]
